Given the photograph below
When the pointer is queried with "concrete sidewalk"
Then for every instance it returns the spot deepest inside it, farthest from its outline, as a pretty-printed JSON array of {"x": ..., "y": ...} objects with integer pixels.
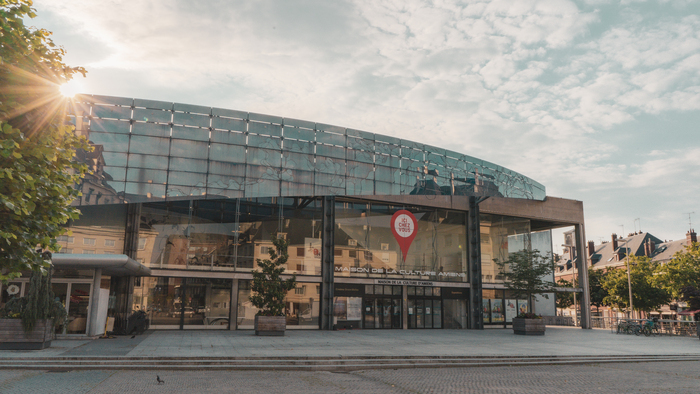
[{"x": 559, "y": 341}]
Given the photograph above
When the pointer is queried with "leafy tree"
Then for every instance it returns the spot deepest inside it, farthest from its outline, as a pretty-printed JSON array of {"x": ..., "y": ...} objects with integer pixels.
[
  {"x": 565, "y": 299},
  {"x": 268, "y": 288},
  {"x": 527, "y": 272},
  {"x": 37, "y": 147},
  {"x": 691, "y": 295},
  {"x": 597, "y": 292},
  {"x": 681, "y": 272},
  {"x": 646, "y": 296}
]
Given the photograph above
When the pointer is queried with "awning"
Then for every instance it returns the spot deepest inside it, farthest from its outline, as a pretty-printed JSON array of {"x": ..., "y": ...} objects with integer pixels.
[
  {"x": 111, "y": 264},
  {"x": 689, "y": 312}
]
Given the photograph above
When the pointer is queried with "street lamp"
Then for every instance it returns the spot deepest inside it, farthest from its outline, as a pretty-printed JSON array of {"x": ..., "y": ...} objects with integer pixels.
[{"x": 629, "y": 278}]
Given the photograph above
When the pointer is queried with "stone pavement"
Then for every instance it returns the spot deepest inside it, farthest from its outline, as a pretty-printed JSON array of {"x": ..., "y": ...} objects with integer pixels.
[
  {"x": 559, "y": 341},
  {"x": 654, "y": 377}
]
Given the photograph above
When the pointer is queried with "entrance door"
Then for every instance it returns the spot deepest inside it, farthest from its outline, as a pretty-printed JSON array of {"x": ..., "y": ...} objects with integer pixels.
[
  {"x": 75, "y": 297},
  {"x": 424, "y": 307}
]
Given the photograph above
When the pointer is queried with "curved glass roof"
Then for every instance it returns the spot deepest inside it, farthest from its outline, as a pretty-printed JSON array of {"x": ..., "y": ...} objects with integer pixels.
[{"x": 153, "y": 150}]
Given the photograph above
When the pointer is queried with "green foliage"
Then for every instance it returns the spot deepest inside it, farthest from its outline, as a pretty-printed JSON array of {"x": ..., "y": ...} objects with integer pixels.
[
  {"x": 598, "y": 293},
  {"x": 691, "y": 295},
  {"x": 527, "y": 272},
  {"x": 37, "y": 147},
  {"x": 38, "y": 304},
  {"x": 565, "y": 299},
  {"x": 646, "y": 296},
  {"x": 268, "y": 288},
  {"x": 681, "y": 272}
]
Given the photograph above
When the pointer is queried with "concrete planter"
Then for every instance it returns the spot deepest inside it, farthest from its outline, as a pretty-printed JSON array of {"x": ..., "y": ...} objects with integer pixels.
[
  {"x": 270, "y": 325},
  {"x": 13, "y": 337},
  {"x": 528, "y": 326}
]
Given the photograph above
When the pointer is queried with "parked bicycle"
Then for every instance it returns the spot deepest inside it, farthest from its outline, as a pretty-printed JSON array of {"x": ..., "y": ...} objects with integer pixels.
[{"x": 650, "y": 327}]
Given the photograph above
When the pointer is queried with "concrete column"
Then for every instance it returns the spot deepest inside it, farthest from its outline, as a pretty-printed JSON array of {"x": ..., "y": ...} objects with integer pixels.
[
  {"x": 474, "y": 308},
  {"x": 92, "y": 326},
  {"x": 233, "y": 310},
  {"x": 404, "y": 306},
  {"x": 582, "y": 267},
  {"x": 327, "y": 262}
]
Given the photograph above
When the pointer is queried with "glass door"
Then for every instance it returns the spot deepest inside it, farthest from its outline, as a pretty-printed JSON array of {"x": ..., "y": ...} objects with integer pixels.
[
  {"x": 78, "y": 308},
  {"x": 369, "y": 312},
  {"x": 60, "y": 291}
]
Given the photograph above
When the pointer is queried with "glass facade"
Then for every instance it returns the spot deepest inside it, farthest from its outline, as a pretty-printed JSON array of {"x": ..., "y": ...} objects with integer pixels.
[
  {"x": 150, "y": 150},
  {"x": 210, "y": 187},
  {"x": 366, "y": 247},
  {"x": 229, "y": 235}
]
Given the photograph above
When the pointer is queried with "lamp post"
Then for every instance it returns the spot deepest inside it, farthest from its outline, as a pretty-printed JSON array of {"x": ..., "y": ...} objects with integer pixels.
[{"x": 629, "y": 278}]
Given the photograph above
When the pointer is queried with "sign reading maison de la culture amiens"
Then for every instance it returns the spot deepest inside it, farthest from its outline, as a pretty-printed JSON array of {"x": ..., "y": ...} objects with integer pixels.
[{"x": 390, "y": 271}]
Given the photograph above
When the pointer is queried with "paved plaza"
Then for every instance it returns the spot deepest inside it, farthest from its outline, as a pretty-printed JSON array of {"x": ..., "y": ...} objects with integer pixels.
[
  {"x": 592, "y": 377},
  {"x": 559, "y": 341},
  {"x": 654, "y": 377}
]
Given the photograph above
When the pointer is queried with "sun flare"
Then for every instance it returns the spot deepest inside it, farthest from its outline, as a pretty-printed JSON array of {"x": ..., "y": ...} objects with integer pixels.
[{"x": 71, "y": 88}]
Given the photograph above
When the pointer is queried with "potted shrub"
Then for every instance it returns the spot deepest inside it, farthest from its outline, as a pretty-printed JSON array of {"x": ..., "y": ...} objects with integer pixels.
[
  {"x": 269, "y": 290},
  {"x": 527, "y": 272},
  {"x": 27, "y": 323}
]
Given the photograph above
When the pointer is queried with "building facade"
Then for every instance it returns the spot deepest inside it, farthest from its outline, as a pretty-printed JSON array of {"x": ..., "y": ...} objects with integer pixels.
[{"x": 194, "y": 194}]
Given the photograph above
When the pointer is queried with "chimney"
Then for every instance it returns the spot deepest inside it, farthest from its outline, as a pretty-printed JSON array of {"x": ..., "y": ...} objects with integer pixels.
[
  {"x": 690, "y": 236},
  {"x": 649, "y": 247},
  {"x": 614, "y": 242},
  {"x": 591, "y": 248}
]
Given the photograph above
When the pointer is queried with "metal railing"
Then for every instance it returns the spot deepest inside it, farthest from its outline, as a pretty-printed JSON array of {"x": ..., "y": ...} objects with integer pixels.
[{"x": 666, "y": 326}]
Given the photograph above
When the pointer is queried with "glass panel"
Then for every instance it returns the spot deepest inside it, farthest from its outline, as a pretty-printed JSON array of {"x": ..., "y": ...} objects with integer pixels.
[
  {"x": 78, "y": 308},
  {"x": 153, "y": 104},
  {"x": 411, "y": 290},
  {"x": 396, "y": 322},
  {"x": 437, "y": 314},
  {"x": 111, "y": 142},
  {"x": 145, "y": 175},
  {"x": 420, "y": 311},
  {"x": 455, "y": 314},
  {"x": 428, "y": 313},
  {"x": 420, "y": 291},
  {"x": 227, "y": 153},
  {"x": 189, "y": 165},
  {"x": 148, "y": 161},
  {"x": 246, "y": 310},
  {"x": 411, "y": 313},
  {"x": 191, "y": 120},
  {"x": 378, "y": 289},
  {"x": 369, "y": 289},
  {"x": 189, "y": 149},
  {"x": 150, "y": 145},
  {"x": 386, "y": 312},
  {"x": 60, "y": 291},
  {"x": 207, "y": 303},
  {"x": 100, "y": 111},
  {"x": 500, "y": 236},
  {"x": 109, "y": 126},
  {"x": 302, "y": 306},
  {"x": 369, "y": 313},
  {"x": 228, "y": 124},
  {"x": 191, "y": 133},
  {"x": 150, "y": 129},
  {"x": 152, "y": 115},
  {"x": 264, "y": 141},
  {"x": 162, "y": 301},
  {"x": 497, "y": 311},
  {"x": 265, "y": 128}
]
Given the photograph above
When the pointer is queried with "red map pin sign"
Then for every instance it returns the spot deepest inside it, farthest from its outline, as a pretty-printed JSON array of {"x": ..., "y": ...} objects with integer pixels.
[{"x": 404, "y": 226}]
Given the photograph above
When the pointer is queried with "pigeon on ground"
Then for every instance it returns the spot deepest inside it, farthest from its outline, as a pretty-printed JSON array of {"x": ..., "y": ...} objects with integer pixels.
[
  {"x": 133, "y": 336},
  {"x": 159, "y": 380}
]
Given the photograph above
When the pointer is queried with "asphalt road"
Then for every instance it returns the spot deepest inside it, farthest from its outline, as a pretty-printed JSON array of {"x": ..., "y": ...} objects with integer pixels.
[{"x": 651, "y": 377}]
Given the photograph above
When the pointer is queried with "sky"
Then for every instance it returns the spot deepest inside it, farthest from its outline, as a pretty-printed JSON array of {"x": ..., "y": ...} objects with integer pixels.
[{"x": 598, "y": 100}]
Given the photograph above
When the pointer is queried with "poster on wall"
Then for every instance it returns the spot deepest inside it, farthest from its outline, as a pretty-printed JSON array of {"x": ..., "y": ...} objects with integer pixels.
[
  {"x": 511, "y": 310},
  {"x": 486, "y": 309},
  {"x": 522, "y": 306},
  {"x": 354, "y": 311},
  {"x": 496, "y": 311},
  {"x": 340, "y": 308}
]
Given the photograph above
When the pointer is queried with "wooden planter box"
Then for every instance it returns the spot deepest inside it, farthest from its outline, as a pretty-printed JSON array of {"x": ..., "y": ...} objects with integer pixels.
[
  {"x": 13, "y": 337},
  {"x": 528, "y": 326},
  {"x": 270, "y": 325}
]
